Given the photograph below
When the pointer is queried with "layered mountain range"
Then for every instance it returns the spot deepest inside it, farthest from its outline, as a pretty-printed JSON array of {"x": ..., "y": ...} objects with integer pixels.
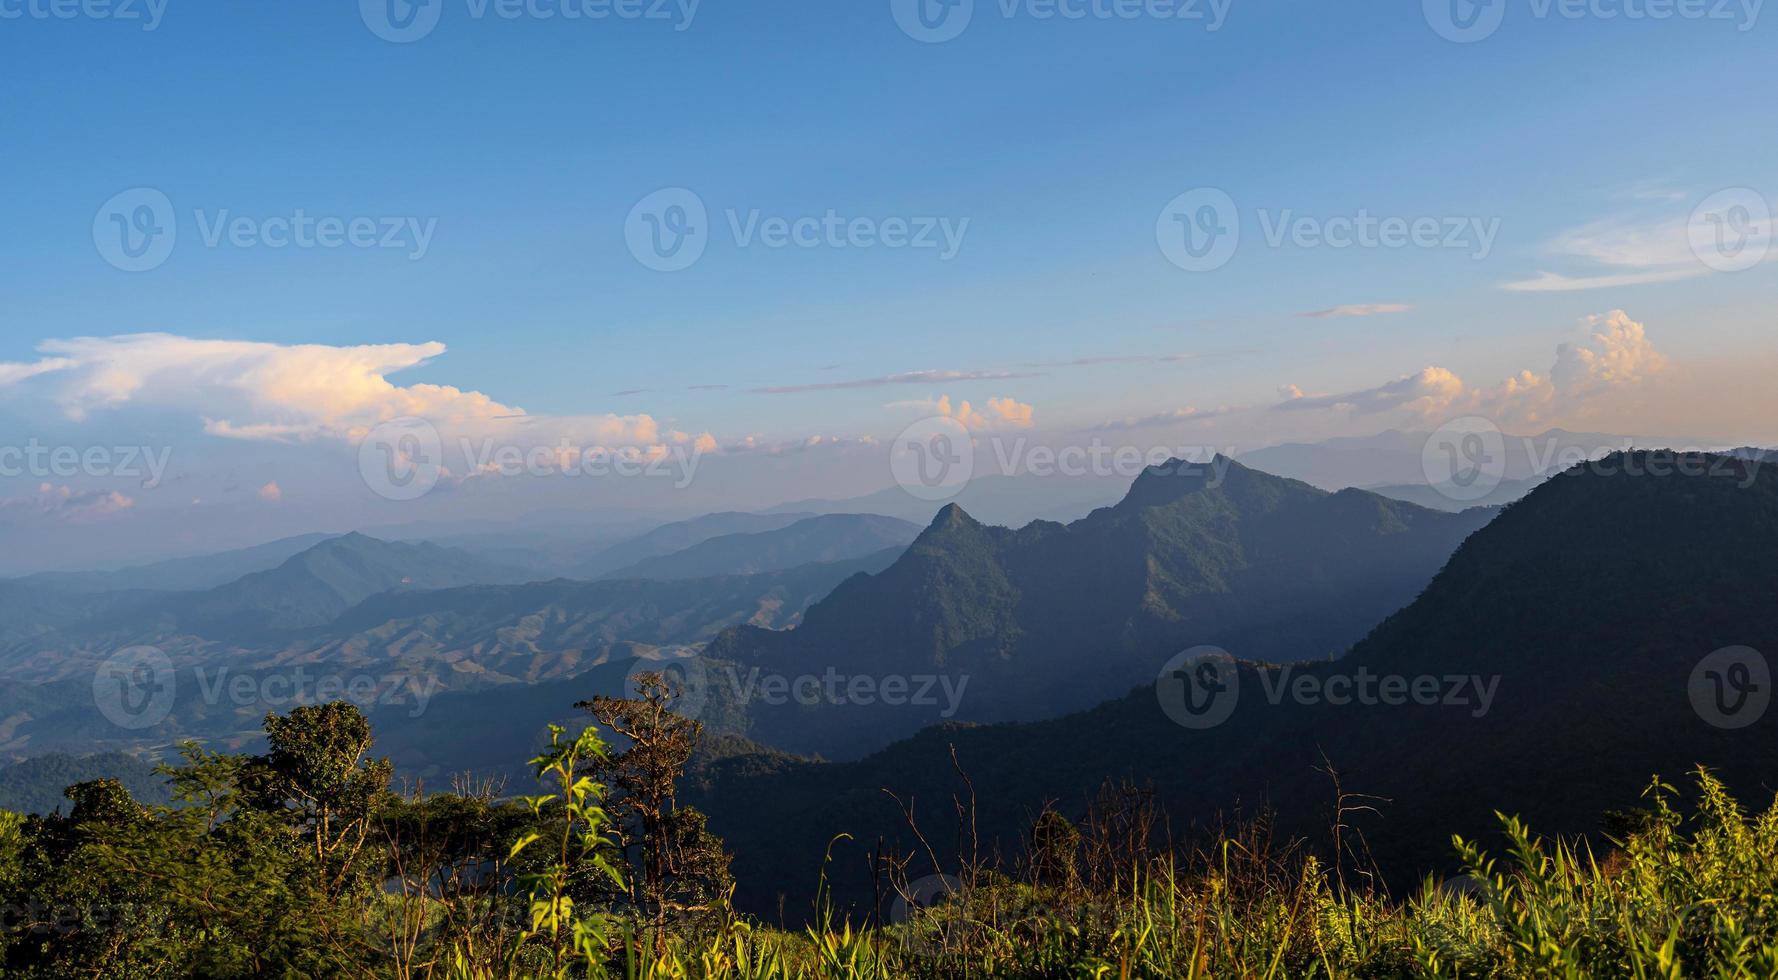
[
  {"x": 1607, "y": 628},
  {"x": 1049, "y": 618}
]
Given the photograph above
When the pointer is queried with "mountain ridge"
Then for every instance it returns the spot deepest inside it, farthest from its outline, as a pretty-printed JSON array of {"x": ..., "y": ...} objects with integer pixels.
[
  {"x": 1590, "y": 662},
  {"x": 1194, "y": 553}
]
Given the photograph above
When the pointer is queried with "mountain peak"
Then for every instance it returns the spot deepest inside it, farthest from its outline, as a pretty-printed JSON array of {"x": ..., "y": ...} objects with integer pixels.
[
  {"x": 952, "y": 516},
  {"x": 1169, "y": 481}
]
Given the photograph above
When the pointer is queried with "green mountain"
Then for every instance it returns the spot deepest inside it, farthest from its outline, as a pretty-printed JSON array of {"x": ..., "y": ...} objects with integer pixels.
[
  {"x": 829, "y": 538},
  {"x": 1035, "y": 622},
  {"x": 1603, "y": 629}
]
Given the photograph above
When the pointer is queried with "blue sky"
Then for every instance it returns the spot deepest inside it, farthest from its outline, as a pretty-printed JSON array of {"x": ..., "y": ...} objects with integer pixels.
[{"x": 528, "y": 141}]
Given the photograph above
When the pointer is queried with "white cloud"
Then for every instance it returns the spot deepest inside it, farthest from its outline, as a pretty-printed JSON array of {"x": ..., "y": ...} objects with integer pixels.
[
  {"x": 257, "y": 391},
  {"x": 1160, "y": 419},
  {"x": 1550, "y": 282},
  {"x": 996, "y": 413},
  {"x": 1001, "y": 413},
  {"x": 754, "y": 444},
  {"x": 1358, "y": 309},
  {"x": 1616, "y": 351},
  {"x": 907, "y": 378},
  {"x": 1613, "y": 354},
  {"x": 1650, "y": 244},
  {"x": 67, "y": 504},
  {"x": 1426, "y": 392},
  {"x": 13, "y": 373}
]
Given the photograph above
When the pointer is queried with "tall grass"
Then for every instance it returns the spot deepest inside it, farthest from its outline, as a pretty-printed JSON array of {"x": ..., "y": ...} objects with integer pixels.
[{"x": 1672, "y": 897}]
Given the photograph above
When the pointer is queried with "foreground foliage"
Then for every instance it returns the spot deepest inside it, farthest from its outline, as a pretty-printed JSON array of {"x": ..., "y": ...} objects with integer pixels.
[{"x": 303, "y": 863}]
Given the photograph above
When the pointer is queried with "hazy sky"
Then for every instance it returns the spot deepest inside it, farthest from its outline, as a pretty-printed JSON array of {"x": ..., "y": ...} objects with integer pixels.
[{"x": 875, "y": 212}]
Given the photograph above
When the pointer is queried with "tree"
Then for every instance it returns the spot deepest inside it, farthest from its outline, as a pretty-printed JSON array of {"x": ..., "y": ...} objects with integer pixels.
[
  {"x": 317, "y": 771},
  {"x": 682, "y": 866},
  {"x": 1055, "y": 844}
]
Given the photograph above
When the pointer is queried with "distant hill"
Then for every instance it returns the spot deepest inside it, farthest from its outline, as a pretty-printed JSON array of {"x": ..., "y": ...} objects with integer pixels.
[
  {"x": 35, "y": 785},
  {"x": 1393, "y": 458},
  {"x": 834, "y": 537},
  {"x": 1012, "y": 501},
  {"x": 313, "y": 587},
  {"x": 678, "y": 536},
  {"x": 1590, "y": 607},
  {"x": 500, "y": 647},
  {"x": 180, "y": 574},
  {"x": 33, "y": 616},
  {"x": 542, "y": 630},
  {"x": 1052, "y": 618},
  {"x": 1432, "y": 496}
]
